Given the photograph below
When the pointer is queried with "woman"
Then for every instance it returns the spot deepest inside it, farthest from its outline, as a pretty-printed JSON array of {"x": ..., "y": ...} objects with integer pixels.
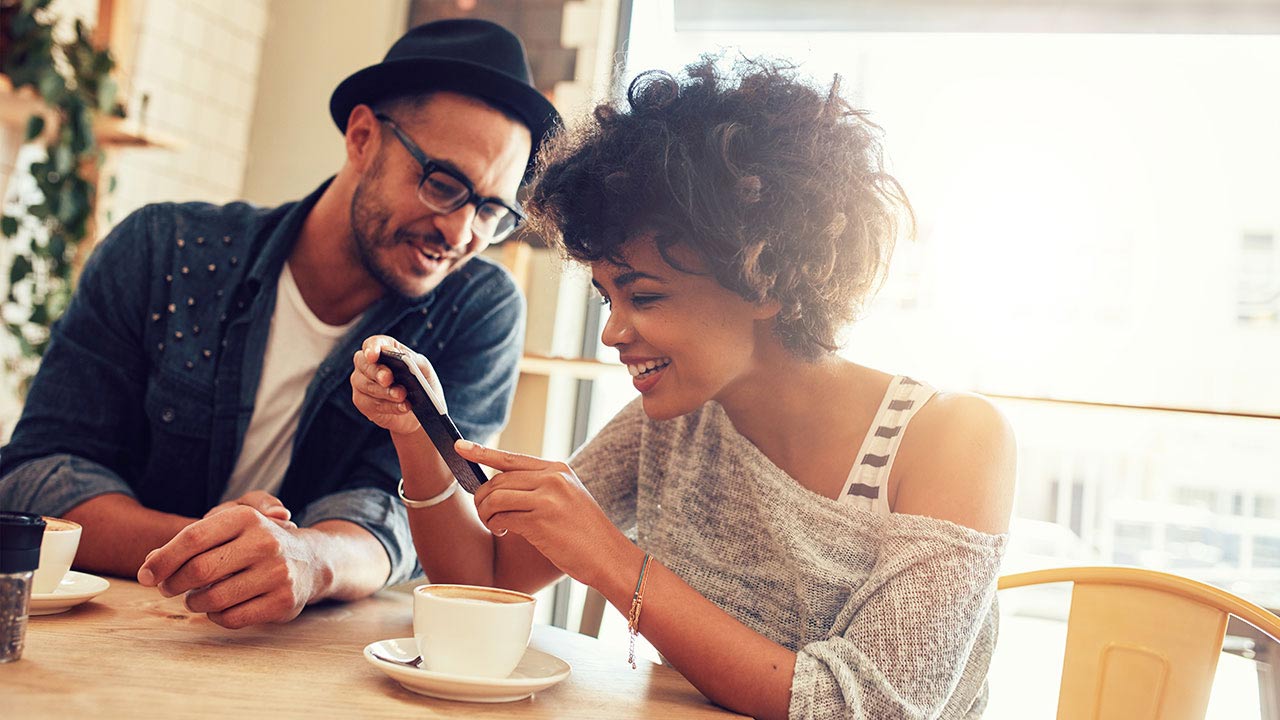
[{"x": 761, "y": 512}]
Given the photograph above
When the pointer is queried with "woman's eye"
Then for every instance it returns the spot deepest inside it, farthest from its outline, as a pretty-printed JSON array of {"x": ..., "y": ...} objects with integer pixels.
[
  {"x": 603, "y": 300},
  {"x": 642, "y": 300}
]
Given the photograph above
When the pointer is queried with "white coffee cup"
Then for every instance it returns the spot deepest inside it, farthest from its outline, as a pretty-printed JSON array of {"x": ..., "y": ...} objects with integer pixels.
[
  {"x": 57, "y": 550},
  {"x": 471, "y": 631}
]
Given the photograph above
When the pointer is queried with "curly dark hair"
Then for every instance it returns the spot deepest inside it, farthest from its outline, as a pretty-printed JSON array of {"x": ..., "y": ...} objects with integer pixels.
[{"x": 777, "y": 187}]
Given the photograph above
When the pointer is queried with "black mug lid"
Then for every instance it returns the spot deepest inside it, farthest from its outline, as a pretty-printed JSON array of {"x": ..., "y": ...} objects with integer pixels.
[
  {"x": 20, "y": 538},
  {"x": 16, "y": 561}
]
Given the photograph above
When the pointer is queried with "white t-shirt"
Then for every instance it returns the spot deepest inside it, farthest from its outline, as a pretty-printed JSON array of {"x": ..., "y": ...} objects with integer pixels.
[{"x": 296, "y": 345}]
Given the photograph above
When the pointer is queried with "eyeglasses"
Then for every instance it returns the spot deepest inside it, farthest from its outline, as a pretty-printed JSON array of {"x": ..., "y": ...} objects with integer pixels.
[{"x": 444, "y": 190}]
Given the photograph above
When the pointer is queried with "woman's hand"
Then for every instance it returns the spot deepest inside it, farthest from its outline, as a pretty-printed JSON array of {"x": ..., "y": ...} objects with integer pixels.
[
  {"x": 373, "y": 391},
  {"x": 545, "y": 503}
]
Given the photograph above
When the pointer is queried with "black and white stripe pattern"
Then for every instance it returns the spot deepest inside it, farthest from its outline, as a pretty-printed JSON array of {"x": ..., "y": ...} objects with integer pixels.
[{"x": 875, "y": 458}]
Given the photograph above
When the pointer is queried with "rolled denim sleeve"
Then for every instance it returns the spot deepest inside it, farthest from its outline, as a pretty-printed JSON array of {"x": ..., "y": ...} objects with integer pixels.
[
  {"x": 84, "y": 411},
  {"x": 377, "y": 512},
  {"x": 54, "y": 484}
]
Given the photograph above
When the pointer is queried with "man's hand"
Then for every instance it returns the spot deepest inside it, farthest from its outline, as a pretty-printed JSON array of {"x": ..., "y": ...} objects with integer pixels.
[
  {"x": 239, "y": 566},
  {"x": 262, "y": 501}
]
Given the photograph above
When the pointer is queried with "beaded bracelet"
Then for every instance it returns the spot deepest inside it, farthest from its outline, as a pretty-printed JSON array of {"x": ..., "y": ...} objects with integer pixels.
[{"x": 633, "y": 617}]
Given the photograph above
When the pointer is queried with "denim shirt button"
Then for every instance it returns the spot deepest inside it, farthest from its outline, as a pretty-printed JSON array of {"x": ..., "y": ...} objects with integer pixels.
[{"x": 167, "y": 415}]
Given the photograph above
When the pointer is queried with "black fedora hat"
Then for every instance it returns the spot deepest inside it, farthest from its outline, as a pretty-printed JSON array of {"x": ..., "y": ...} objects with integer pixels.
[{"x": 466, "y": 56}]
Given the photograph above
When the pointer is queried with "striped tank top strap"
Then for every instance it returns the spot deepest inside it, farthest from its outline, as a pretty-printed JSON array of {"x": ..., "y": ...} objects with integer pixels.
[{"x": 868, "y": 484}]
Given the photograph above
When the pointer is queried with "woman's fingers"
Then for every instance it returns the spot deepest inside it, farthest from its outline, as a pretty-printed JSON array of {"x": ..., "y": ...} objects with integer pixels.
[
  {"x": 368, "y": 382},
  {"x": 367, "y": 358},
  {"x": 373, "y": 345},
  {"x": 502, "y": 459},
  {"x": 394, "y": 393}
]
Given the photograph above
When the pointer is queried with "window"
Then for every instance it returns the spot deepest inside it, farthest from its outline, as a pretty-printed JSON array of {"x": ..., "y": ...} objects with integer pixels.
[
  {"x": 1096, "y": 252},
  {"x": 1258, "y": 296}
]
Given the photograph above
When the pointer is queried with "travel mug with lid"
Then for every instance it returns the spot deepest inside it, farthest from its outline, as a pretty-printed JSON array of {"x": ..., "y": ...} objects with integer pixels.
[{"x": 20, "y": 538}]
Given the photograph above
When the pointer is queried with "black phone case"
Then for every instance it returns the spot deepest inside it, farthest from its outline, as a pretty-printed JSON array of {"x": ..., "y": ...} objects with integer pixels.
[{"x": 438, "y": 426}]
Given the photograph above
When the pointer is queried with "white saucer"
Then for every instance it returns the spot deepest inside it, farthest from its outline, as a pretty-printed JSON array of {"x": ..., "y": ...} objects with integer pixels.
[
  {"x": 537, "y": 671},
  {"x": 75, "y": 588}
]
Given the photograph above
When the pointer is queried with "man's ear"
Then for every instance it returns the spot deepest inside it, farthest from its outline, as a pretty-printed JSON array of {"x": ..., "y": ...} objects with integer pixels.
[{"x": 362, "y": 138}]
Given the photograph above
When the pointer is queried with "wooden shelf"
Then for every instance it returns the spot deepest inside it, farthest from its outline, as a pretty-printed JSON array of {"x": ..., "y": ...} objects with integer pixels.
[
  {"x": 125, "y": 133},
  {"x": 580, "y": 368},
  {"x": 16, "y": 107}
]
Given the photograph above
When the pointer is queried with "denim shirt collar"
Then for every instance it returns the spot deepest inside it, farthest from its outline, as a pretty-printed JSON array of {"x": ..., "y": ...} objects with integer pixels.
[
  {"x": 260, "y": 283},
  {"x": 266, "y": 269}
]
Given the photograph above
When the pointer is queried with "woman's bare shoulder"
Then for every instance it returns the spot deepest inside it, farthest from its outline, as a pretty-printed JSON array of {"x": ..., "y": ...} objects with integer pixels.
[{"x": 958, "y": 462}]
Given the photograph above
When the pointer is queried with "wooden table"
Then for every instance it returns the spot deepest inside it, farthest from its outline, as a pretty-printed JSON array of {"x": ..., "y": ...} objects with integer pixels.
[{"x": 132, "y": 653}]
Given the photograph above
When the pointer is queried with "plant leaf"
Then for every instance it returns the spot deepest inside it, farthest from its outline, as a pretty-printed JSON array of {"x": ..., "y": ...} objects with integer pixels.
[
  {"x": 39, "y": 314},
  {"x": 51, "y": 86},
  {"x": 20, "y": 269},
  {"x": 107, "y": 92},
  {"x": 35, "y": 126}
]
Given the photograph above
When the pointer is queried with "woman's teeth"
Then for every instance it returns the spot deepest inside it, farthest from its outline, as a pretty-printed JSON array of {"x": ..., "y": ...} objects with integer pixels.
[{"x": 648, "y": 366}]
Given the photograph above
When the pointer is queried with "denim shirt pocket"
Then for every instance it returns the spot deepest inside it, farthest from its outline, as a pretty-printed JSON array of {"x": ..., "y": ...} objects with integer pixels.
[{"x": 180, "y": 419}]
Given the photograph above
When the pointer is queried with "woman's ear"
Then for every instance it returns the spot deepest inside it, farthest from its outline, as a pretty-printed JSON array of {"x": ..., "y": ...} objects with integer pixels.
[{"x": 767, "y": 309}]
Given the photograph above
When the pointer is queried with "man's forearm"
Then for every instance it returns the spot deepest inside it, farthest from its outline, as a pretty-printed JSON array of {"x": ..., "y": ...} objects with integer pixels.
[
  {"x": 119, "y": 532},
  {"x": 350, "y": 561}
]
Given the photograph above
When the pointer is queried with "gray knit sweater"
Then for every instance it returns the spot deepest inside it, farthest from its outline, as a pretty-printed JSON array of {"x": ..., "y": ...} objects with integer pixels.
[{"x": 889, "y": 617}]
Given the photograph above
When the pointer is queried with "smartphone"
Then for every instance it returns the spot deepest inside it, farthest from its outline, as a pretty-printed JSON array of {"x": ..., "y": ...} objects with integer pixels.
[{"x": 429, "y": 409}]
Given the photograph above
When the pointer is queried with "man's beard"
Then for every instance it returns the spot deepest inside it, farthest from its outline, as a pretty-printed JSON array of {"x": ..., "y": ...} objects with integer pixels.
[{"x": 370, "y": 222}]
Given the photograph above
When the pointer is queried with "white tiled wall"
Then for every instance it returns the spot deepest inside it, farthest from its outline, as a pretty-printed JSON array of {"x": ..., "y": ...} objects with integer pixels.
[{"x": 196, "y": 65}]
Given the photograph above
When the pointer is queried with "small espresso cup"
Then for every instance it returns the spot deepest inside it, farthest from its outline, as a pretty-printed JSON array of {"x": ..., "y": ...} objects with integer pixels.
[
  {"x": 57, "y": 550},
  {"x": 471, "y": 631}
]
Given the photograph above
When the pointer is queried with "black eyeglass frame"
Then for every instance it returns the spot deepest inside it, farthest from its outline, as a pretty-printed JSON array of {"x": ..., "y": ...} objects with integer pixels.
[{"x": 430, "y": 166}]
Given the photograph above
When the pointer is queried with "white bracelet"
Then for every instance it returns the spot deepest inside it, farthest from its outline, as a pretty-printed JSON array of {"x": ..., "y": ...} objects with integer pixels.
[{"x": 417, "y": 504}]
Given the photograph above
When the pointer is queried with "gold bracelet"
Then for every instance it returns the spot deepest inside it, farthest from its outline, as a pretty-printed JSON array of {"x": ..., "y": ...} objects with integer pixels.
[{"x": 637, "y": 600}]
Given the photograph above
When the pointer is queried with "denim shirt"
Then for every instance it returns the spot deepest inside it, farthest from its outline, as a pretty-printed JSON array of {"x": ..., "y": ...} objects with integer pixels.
[{"x": 150, "y": 378}]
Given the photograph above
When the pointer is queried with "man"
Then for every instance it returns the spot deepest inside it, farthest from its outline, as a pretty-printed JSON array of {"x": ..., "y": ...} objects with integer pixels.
[{"x": 201, "y": 369}]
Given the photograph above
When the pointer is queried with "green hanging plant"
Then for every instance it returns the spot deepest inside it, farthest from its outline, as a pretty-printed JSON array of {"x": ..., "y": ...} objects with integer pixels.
[{"x": 74, "y": 79}]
